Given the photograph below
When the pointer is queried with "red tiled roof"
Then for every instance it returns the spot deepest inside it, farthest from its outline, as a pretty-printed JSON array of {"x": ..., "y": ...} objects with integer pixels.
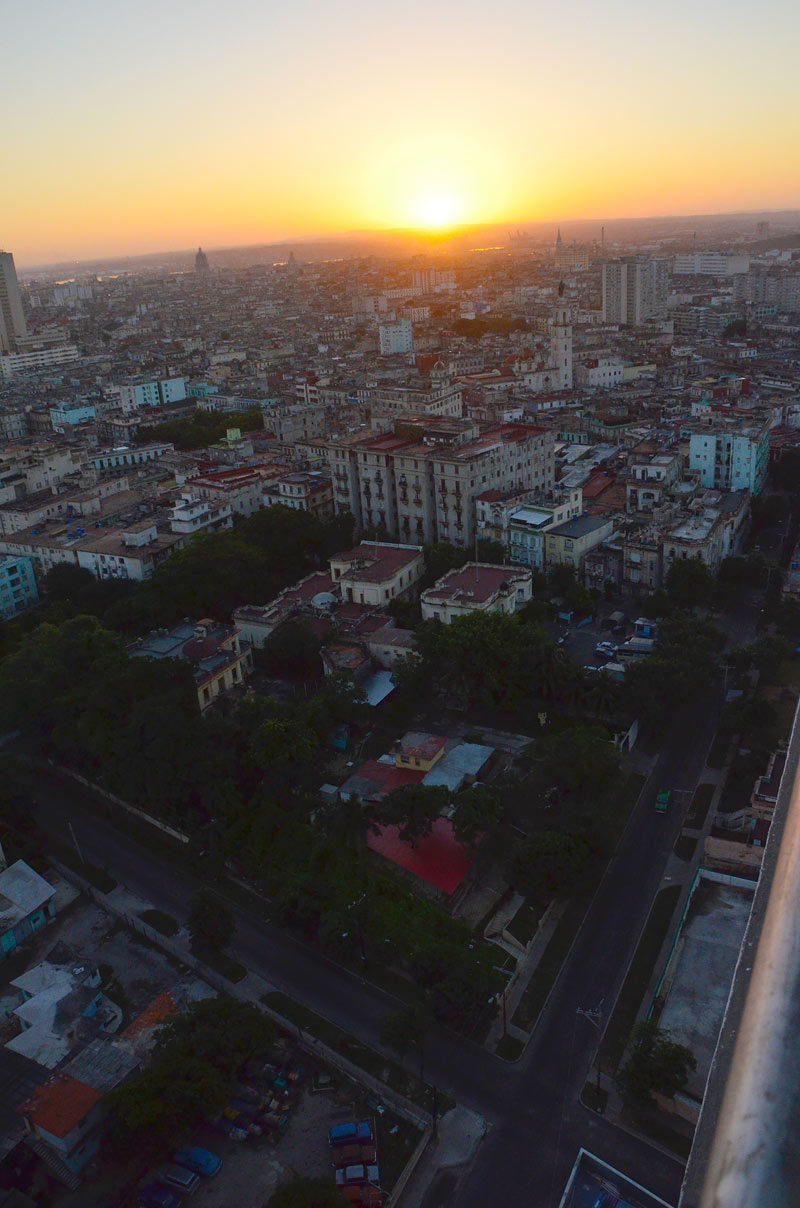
[
  {"x": 438, "y": 859},
  {"x": 60, "y": 1103}
]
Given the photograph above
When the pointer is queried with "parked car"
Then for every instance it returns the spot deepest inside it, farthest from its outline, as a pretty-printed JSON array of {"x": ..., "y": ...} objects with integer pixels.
[
  {"x": 662, "y": 801},
  {"x": 360, "y": 1173},
  {"x": 607, "y": 649},
  {"x": 178, "y": 1178},
  {"x": 154, "y": 1196},
  {"x": 352, "y": 1131},
  {"x": 200, "y": 1161},
  {"x": 358, "y": 1151}
]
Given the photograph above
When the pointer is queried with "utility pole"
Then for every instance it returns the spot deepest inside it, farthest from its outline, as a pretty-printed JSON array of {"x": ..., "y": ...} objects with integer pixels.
[{"x": 75, "y": 841}]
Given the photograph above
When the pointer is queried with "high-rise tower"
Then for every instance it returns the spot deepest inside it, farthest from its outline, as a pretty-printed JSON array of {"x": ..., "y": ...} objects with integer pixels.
[
  {"x": 561, "y": 346},
  {"x": 201, "y": 261},
  {"x": 12, "y": 320}
]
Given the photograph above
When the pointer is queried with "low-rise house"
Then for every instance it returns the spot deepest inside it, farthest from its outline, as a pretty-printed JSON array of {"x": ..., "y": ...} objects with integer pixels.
[
  {"x": 26, "y": 903},
  {"x": 419, "y": 750},
  {"x": 477, "y": 587},
  {"x": 219, "y": 661},
  {"x": 376, "y": 572}
]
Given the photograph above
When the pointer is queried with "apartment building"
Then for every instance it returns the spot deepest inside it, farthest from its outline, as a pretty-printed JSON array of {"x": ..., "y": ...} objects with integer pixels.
[
  {"x": 710, "y": 264},
  {"x": 18, "y": 588},
  {"x": 132, "y": 552},
  {"x": 193, "y": 514},
  {"x": 303, "y": 490},
  {"x": 396, "y": 338},
  {"x": 650, "y": 479},
  {"x": 528, "y": 524},
  {"x": 437, "y": 397},
  {"x": 156, "y": 393},
  {"x": 298, "y": 421},
  {"x": 731, "y": 457},
  {"x": 567, "y": 544},
  {"x": 635, "y": 290},
  {"x": 428, "y": 493}
]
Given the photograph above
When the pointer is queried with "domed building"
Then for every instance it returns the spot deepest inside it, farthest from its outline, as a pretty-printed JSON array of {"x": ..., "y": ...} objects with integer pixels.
[{"x": 201, "y": 261}]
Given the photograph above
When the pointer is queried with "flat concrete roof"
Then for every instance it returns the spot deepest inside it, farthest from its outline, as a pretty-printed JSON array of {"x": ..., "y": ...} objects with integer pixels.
[{"x": 701, "y": 971}]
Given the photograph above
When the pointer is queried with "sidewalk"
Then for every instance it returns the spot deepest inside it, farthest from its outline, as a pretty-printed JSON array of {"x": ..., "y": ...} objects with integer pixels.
[
  {"x": 457, "y": 1138},
  {"x": 524, "y": 972}
]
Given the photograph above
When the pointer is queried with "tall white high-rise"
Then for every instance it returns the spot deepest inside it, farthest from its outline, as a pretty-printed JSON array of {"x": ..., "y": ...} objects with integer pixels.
[
  {"x": 635, "y": 290},
  {"x": 12, "y": 320}
]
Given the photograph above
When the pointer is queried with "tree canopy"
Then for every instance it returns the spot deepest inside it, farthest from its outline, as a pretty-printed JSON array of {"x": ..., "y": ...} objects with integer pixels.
[
  {"x": 655, "y": 1064},
  {"x": 191, "y": 1075}
]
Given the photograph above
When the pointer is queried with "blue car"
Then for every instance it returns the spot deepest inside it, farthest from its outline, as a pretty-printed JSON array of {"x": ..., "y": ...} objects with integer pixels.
[
  {"x": 200, "y": 1161},
  {"x": 155, "y": 1196}
]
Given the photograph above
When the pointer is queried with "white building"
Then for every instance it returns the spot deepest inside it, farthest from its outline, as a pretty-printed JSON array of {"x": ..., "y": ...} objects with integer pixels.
[
  {"x": 376, "y": 572},
  {"x": 396, "y": 337},
  {"x": 191, "y": 514},
  {"x": 528, "y": 524},
  {"x": 14, "y": 363},
  {"x": 476, "y": 587},
  {"x": 635, "y": 290},
  {"x": 731, "y": 457},
  {"x": 710, "y": 264}
]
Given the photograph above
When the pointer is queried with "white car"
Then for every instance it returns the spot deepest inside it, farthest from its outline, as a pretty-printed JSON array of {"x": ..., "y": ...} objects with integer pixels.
[{"x": 606, "y": 648}]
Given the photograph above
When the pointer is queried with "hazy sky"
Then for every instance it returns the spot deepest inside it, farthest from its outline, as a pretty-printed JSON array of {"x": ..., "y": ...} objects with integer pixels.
[{"x": 139, "y": 125}]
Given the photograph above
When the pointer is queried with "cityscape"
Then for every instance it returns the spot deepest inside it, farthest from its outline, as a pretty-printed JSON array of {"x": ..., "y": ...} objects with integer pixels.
[{"x": 399, "y": 611}]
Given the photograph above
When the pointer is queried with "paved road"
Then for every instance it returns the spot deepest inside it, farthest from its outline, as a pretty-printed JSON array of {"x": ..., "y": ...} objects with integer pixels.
[{"x": 538, "y": 1124}]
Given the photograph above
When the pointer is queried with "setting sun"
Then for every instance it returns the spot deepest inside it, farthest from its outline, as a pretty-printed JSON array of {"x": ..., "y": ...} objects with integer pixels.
[{"x": 437, "y": 210}]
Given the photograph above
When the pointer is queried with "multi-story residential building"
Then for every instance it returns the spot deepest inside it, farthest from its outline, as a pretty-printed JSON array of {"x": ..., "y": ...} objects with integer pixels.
[
  {"x": 31, "y": 359},
  {"x": 123, "y": 459},
  {"x": 377, "y": 572},
  {"x": 710, "y": 264},
  {"x": 428, "y": 493},
  {"x": 504, "y": 457},
  {"x": 66, "y": 415},
  {"x": 132, "y": 552},
  {"x": 700, "y": 533},
  {"x": 192, "y": 514},
  {"x": 635, "y": 290},
  {"x": 13, "y": 327},
  {"x": 423, "y": 399},
  {"x": 13, "y": 423},
  {"x": 567, "y": 544},
  {"x": 650, "y": 478},
  {"x": 731, "y": 456},
  {"x": 305, "y": 491},
  {"x": 476, "y": 587},
  {"x": 241, "y": 488},
  {"x": 396, "y": 337},
  {"x": 157, "y": 393},
  {"x": 528, "y": 523},
  {"x": 18, "y": 588},
  {"x": 599, "y": 373},
  {"x": 298, "y": 421}
]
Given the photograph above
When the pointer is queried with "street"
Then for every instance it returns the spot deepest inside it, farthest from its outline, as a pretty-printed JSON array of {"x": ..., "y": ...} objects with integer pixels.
[{"x": 537, "y": 1121}]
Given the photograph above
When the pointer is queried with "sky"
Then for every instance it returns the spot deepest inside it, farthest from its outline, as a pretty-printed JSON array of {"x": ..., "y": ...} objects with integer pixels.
[{"x": 163, "y": 124}]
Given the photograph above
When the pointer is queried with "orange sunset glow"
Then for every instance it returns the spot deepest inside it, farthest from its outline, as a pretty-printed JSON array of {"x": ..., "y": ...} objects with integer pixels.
[{"x": 175, "y": 125}]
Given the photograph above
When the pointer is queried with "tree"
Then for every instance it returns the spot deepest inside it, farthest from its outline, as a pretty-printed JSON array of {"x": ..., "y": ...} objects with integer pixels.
[
  {"x": 736, "y": 327},
  {"x": 564, "y": 582},
  {"x": 547, "y": 864},
  {"x": 307, "y": 1193},
  {"x": 689, "y": 582},
  {"x": 655, "y": 1065},
  {"x": 581, "y": 759},
  {"x": 211, "y": 923},
  {"x": 478, "y": 811},
  {"x": 413, "y": 808},
  {"x": 405, "y": 1030},
  {"x": 293, "y": 649},
  {"x": 192, "y": 1074},
  {"x": 769, "y": 652}
]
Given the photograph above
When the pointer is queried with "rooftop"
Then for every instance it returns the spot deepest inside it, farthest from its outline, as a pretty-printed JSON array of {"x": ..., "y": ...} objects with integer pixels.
[
  {"x": 438, "y": 859},
  {"x": 476, "y": 582},
  {"x": 22, "y": 891},
  {"x": 60, "y": 1104},
  {"x": 581, "y": 526},
  {"x": 374, "y": 561}
]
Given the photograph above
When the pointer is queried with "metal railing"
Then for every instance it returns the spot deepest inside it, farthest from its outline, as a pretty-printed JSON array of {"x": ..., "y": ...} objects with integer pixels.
[{"x": 754, "y": 1159}]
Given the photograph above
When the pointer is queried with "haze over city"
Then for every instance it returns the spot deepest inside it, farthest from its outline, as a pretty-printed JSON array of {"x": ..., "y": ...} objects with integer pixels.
[
  {"x": 399, "y": 605},
  {"x": 158, "y": 126}
]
